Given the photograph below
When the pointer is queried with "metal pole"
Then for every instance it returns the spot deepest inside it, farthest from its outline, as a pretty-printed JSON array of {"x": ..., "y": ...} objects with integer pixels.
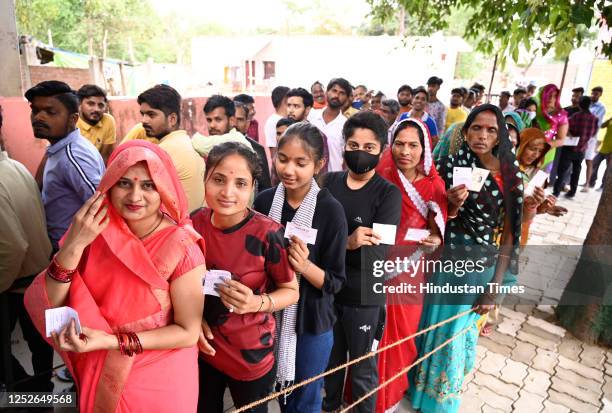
[
  {"x": 563, "y": 75},
  {"x": 492, "y": 77}
]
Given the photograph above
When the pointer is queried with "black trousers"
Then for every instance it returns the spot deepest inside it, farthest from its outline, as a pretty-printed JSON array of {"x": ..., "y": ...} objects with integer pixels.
[
  {"x": 568, "y": 159},
  {"x": 596, "y": 163},
  {"x": 212, "y": 388},
  {"x": 42, "y": 352},
  {"x": 354, "y": 335}
]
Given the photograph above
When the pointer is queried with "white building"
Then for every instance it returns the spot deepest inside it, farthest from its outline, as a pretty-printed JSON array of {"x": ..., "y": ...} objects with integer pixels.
[{"x": 258, "y": 63}]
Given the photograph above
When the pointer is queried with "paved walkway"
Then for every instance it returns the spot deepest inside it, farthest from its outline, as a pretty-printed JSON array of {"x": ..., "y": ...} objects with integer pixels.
[{"x": 529, "y": 363}]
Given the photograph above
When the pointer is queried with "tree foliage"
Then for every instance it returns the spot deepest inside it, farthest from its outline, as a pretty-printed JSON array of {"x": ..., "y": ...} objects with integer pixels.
[
  {"x": 74, "y": 22},
  {"x": 504, "y": 26}
]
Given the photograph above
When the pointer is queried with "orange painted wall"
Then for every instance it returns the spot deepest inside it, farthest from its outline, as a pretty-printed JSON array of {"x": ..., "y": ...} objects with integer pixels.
[{"x": 23, "y": 147}]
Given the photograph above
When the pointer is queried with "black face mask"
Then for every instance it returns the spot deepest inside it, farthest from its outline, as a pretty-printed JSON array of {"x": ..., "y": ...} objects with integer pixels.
[{"x": 360, "y": 162}]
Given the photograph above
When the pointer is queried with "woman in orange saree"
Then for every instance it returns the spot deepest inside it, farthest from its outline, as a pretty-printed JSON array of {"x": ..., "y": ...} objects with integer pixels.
[{"x": 131, "y": 266}]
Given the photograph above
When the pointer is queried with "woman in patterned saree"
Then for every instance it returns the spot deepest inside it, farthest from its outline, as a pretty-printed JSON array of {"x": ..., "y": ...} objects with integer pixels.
[
  {"x": 424, "y": 208},
  {"x": 483, "y": 226},
  {"x": 131, "y": 266}
]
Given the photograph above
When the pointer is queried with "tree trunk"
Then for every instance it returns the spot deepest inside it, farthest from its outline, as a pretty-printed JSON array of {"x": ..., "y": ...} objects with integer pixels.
[{"x": 592, "y": 321}]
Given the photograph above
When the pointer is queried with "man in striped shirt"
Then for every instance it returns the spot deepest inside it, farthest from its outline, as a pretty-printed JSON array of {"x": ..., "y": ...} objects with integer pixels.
[{"x": 74, "y": 166}]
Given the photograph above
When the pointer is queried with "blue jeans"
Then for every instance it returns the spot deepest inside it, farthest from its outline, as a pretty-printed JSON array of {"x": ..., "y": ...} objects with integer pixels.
[{"x": 311, "y": 359}]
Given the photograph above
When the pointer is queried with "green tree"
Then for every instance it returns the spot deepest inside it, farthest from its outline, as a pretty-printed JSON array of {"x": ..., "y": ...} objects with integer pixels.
[
  {"x": 503, "y": 26},
  {"x": 76, "y": 23}
]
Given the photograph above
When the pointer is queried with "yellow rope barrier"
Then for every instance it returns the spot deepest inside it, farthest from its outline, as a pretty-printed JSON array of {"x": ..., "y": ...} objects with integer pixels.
[{"x": 289, "y": 389}]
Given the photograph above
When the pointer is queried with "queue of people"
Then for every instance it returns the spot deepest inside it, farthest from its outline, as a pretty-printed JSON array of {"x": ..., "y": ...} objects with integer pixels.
[{"x": 127, "y": 234}]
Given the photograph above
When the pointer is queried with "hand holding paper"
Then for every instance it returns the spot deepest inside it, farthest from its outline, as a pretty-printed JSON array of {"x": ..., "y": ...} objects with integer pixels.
[
  {"x": 56, "y": 319},
  {"x": 386, "y": 232},
  {"x": 214, "y": 277},
  {"x": 308, "y": 235},
  {"x": 537, "y": 181}
]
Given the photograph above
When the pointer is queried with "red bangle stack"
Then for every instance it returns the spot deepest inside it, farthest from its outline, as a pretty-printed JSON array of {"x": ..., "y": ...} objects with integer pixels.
[
  {"x": 59, "y": 273},
  {"x": 129, "y": 344}
]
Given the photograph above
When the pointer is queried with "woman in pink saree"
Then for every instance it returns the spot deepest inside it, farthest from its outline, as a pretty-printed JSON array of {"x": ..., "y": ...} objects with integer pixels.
[{"x": 131, "y": 265}]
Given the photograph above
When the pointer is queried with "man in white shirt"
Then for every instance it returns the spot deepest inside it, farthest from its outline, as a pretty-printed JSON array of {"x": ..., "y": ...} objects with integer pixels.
[
  {"x": 330, "y": 120},
  {"x": 279, "y": 101}
]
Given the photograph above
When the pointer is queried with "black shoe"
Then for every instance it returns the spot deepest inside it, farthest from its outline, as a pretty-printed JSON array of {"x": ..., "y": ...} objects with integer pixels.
[
  {"x": 556, "y": 195},
  {"x": 569, "y": 196}
]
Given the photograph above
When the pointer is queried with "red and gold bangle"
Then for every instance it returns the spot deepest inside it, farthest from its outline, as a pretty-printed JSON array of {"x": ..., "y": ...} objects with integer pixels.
[
  {"x": 138, "y": 346},
  {"x": 59, "y": 273}
]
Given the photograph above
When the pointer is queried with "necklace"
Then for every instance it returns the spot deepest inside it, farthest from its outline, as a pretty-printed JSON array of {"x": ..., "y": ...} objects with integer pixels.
[{"x": 154, "y": 228}]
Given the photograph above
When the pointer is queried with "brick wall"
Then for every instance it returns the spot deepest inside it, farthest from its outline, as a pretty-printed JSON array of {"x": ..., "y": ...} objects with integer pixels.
[{"x": 74, "y": 77}]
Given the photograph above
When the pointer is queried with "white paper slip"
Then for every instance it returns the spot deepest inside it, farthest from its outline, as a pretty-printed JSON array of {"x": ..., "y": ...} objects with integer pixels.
[
  {"x": 537, "y": 181},
  {"x": 571, "y": 141},
  {"x": 386, "y": 232},
  {"x": 214, "y": 277},
  {"x": 306, "y": 234},
  {"x": 462, "y": 176},
  {"x": 479, "y": 176},
  {"x": 56, "y": 319},
  {"x": 415, "y": 234}
]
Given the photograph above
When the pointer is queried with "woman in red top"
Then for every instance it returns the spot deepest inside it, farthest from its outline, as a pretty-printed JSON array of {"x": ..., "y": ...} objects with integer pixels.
[
  {"x": 237, "y": 343},
  {"x": 131, "y": 266},
  {"x": 424, "y": 206}
]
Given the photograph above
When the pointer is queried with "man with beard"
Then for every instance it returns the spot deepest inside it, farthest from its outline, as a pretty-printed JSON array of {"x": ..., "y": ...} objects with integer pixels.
[
  {"x": 252, "y": 124},
  {"x": 160, "y": 108},
  {"x": 404, "y": 97},
  {"x": 227, "y": 121},
  {"x": 331, "y": 120},
  {"x": 94, "y": 123},
  {"x": 574, "y": 108},
  {"x": 435, "y": 108},
  {"x": 279, "y": 101},
  {"x": 74, "y": 167},
  {"x": 299, "y": 104},
  {"x": 220, "y": 113},
  {"x": 318, "y": 95}
]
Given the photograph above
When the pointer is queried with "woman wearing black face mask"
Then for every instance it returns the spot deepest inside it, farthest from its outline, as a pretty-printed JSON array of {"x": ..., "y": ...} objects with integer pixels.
[{"x": 366, "y": 198}]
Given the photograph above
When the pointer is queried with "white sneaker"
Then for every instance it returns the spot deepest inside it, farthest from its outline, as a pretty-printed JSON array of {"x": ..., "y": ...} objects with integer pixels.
[{"x": 585, "y": 189}]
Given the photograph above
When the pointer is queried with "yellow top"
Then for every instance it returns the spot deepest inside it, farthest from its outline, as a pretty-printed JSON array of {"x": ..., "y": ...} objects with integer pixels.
[
  {"x": 102, "y": 133},
  {"x": 138, "y": 132},
  {"x": 455, "y": 115},
  {"x": 606, "y": 146},
  {"x": 350, "y": 112},
  {"x": 189, "y": 166}
]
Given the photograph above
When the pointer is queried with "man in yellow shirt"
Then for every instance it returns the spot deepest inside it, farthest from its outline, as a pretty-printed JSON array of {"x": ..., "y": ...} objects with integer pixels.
[
  {"x": 138, "y": 132},
  {"x": 160, "y": 108},
  {"x": 94, "y": 123},
  {"x": 455, "y": 112}
]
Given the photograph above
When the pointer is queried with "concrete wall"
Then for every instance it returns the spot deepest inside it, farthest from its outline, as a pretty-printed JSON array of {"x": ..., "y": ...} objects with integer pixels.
[{"x": 23, "y": 147}]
